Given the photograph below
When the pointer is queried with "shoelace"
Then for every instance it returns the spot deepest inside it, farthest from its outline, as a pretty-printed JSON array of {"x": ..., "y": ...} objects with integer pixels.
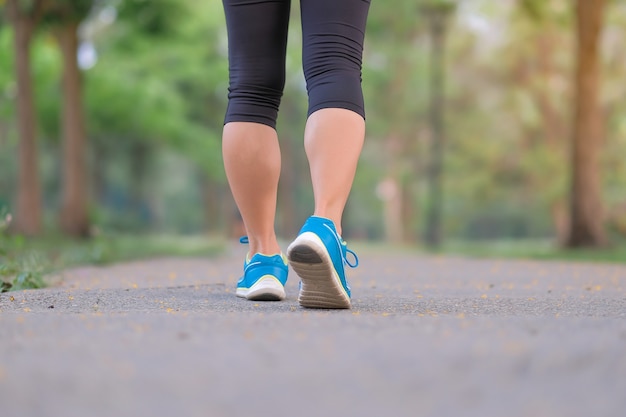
[
  {"x": 351, "y": 252},
  {"x": 344, "y": 244}
]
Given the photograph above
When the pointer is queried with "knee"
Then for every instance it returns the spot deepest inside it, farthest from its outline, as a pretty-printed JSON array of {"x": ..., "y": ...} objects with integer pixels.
[
  {"x": 332, "y": 69},
  {"x": 332, "y": 83},
  {"x": 255, "y": 92}
]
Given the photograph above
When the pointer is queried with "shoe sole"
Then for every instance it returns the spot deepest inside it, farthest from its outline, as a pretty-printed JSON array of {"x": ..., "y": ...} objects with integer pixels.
[
  {"x": 321, "y": 286},
  {"x": 267, "y": 288}
]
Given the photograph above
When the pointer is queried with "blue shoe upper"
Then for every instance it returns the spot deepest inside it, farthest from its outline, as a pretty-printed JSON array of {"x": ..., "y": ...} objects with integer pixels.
[
  {"x": 261, "y": 265},
  {"x": 336, "y": 247}
]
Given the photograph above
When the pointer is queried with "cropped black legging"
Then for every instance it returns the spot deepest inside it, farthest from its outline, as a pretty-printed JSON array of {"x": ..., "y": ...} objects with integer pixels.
[{"x": 332, "y": 50}]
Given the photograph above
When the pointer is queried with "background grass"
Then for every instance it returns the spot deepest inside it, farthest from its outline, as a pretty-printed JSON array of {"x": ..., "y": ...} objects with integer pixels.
[
  {"x": 24, "y": 263},
  {"x": 539, "y": 249}
]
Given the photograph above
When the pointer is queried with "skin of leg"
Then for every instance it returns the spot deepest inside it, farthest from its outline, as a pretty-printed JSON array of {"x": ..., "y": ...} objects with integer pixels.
[
  {"x": 252, "y": 163},
  {"x": 333, "y": 140}
]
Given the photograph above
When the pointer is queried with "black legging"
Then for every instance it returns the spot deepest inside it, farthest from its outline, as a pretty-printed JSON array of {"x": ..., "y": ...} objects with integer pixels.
[{"x": 332, "y": 50}]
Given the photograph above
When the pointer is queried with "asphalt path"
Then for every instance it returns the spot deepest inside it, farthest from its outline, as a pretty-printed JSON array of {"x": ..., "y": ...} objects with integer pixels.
[{"x": 427, "y": 336}]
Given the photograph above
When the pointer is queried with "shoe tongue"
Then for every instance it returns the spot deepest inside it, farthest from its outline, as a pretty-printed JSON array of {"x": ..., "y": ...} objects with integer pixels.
[
  {"x": 324, "y": 221},
  {"x": 260, "y": 256}
]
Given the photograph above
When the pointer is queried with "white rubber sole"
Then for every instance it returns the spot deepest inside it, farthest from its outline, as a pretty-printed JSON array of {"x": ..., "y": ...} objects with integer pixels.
[
  {"x": 267, "y": 288},
  {"x": 321, "y": 286}
]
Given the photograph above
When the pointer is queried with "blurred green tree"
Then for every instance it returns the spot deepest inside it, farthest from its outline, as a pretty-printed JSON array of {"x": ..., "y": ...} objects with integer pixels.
[
  {"x": 154, "y": 100},
  {"x": 540, "y": 64},
  {"x": 392, "y": 79},
  {"x": 158, "y": 67},
  {"x": 438, "y": 14},
  {"x": 64, "y": 17},
  {"x": 24, "y": 17},
  {"x": 587, "y": 217}
]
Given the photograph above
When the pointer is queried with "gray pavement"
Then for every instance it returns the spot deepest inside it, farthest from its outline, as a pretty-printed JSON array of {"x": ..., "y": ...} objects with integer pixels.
[{"x": 427, "y": 336}]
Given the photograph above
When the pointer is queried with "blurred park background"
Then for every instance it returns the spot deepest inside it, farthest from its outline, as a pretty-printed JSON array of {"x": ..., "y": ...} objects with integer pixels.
[{"x": 494, "y": 124}]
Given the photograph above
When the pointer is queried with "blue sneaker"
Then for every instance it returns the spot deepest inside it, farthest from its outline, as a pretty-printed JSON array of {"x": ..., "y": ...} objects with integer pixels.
[
  {"x": 318, "y": 256},
  {"x": 264, "y": 277}
]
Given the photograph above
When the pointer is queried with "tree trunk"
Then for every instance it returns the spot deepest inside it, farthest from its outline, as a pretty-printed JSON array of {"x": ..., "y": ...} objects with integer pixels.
[
  {"x": 74, "y": 217},
  {"x": 434, "y": 211},
  {"x": 587, "y": 219},
  {"x": 554, "y": 127},
  {"x": 28, "y": 209}
]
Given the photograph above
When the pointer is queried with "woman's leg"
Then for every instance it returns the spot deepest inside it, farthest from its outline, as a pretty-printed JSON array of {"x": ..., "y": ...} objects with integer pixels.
[
  {"x": 252, "y": 164},
  {"x": 333, "y": 34},
  {"x": 333, "y": 140},
  {"x": 257, "y": 40}
]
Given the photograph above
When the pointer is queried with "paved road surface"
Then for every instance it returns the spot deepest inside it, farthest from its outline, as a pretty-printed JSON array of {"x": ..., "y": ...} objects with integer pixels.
[{"x": 427, "y": 336}]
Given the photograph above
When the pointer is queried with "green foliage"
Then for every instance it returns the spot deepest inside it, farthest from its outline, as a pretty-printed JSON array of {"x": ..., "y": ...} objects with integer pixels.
[
  {"x": 157, "y": 18},
  {"x": 59, "y": 12},
  {"x": 22, "y": 275},
  {"x": 540, "y": 249},
  {"x": 19, "y": 269},
  {"x": 25, "y": 263},
  {"x": 157, "y": 84},
  {"x": 46, "y": 70},
  {"x": 153, "y": 88},
  {"x": 541, "y": 11},
  {"x": 7, "y": 87}
]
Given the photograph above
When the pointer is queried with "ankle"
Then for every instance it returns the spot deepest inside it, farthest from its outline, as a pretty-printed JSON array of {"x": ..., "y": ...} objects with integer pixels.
[{"x": 268, "y": 246}]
